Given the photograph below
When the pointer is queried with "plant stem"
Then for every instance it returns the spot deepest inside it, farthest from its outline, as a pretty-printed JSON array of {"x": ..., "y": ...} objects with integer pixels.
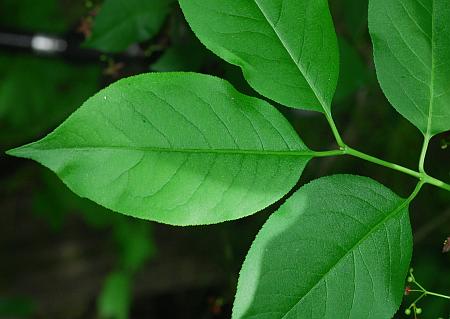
[
  {"x": 437, "y": 295},
  {"x": 345, "y": 149},
  {"x": 417, "y": 300},
  {"x": 335, "y": 131},
  {"x": 353, "y": 152},
  {"x": 415, "y": 192},
  {"x": 329, "y": 153},
  {"x": 423, "y": 153},
  {"x": 434, "y": 181},
  {"x": 422, "y": 176}
]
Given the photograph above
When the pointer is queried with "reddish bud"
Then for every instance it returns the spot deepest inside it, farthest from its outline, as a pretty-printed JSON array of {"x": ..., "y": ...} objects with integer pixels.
[{"x": 407, "y": 290}]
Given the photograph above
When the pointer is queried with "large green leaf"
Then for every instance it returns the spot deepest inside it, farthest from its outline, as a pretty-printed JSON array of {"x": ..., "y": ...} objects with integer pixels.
[
  {"x": 122, "y": 23},
  {"x": 411, "y": 42},
  {"x": 179, "y": 148},
  {"x": 338, "y": 248},
  {"x": 287, "y": 49}
]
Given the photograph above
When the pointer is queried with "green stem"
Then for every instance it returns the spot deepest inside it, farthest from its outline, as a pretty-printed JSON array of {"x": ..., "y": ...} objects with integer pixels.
[
  {"x": 434, "y": 181},
  {"x": 328, "y": 153},
  {"x": 422, "y": 176},
  {"x": 415, "y": 192},
  {"x": 353, "y": 152},
  {"x": 437, "y": 295},
  {"x": 335, "y": 131},
  {"x": 423, "y": 153},
  {"x": 345, "y": 149},
  {"x": 417, "y": 300}
]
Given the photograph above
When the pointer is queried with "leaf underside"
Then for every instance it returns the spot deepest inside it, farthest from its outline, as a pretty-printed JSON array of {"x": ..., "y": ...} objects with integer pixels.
[
  {"x": 287, "y": 49},
  {"x": 411, "y": 42},
  {"x": 340, "y": 247},
  {"x": 177, "y": 148}
]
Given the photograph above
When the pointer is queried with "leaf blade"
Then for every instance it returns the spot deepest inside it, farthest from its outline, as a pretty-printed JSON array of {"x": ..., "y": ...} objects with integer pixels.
[
  {"x": 122, "y": 23},
  {"x": 411, "y": 57},
  {"x": 177, "y": 148},
  {"x": 302, "y": 266},
  {"x": 281, "y": 69}
]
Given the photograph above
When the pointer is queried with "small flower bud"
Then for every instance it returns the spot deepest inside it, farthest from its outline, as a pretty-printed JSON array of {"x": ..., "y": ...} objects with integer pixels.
[{"x": 407, "y": 290}]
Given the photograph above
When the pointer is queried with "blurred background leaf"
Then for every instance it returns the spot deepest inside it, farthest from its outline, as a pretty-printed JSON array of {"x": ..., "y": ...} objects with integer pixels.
[
  {"x": 36, "y": 94},
  {"x": 119, "y": 23},
  {"x": 114, "y": 301}
]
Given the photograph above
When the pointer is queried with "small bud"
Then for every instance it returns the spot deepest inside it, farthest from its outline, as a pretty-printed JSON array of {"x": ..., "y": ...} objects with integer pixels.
[
  {"x": 411, "y": 269},
  {"x": 418, "y": 311},
  {"x": 407, "y": 290},
  {"x": 407, "y": 312},
  {"x": 410, "y": 279}
]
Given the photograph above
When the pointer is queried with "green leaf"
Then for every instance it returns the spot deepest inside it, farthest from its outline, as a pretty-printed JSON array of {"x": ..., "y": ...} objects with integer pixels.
[
  {"x": 287, "y": 49},
  {"x": 122, "y": 23},
  {"x": 338, "y": 248},
  {"x": 178, "y": 148},
  {"x": 188, "y": 56},
  {"x": 114, "y": 300},
  {"x": 412, "y": 52}
]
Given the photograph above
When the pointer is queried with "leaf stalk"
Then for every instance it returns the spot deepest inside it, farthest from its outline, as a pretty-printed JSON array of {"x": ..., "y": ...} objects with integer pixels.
[{"x": 422, "y": 176}]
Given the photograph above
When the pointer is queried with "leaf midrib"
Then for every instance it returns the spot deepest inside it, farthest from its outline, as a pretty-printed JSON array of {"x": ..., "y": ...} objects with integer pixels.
[
  {"x": 403, "y": 204},
  {"x": 319, "y": 97},
  {"x": 431, "y": 104},
  {"x": 306, "y": 153}
]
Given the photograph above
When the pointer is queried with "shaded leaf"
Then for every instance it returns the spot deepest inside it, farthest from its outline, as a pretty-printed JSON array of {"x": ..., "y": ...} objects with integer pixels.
[
  {"x": 122, "y": 23},
  {"x": 338, "y": 248},
  {"x": 187, "y": 56},
  {"x": 412, "y": 49},
  {"x": 177, "y": 148}
]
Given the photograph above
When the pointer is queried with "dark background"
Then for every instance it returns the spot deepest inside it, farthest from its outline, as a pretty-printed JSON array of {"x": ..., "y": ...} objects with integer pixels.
[{"x": 66, "y": 257}]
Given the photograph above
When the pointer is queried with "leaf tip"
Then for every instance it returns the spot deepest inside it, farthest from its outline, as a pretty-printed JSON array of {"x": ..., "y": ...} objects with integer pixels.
[{"x": 21, "y": 151}]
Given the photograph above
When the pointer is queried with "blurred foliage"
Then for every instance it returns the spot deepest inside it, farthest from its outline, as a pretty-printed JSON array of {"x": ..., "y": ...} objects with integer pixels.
[
  {"x": 114, "y": 300},
  {"x": 44, "y": 16},
  {"x": 37, "y": 93},
  {"x": 119, "y": 23},
  {"x": 16, "y": 307}
]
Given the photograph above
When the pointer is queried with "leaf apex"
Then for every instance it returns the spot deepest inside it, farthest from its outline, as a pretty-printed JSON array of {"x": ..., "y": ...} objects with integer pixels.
[{"x": 21, "y": 151}]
